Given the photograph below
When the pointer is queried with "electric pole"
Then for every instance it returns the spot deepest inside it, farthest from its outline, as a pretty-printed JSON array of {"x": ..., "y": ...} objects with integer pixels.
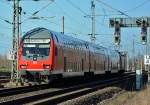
[
  {"x": 14, "y": 72},
  {"x": 148, "y": 53},
  {"x": 93, "y": 21},
  {"x": 63, "y": 24},
  {"x": 133, "y": 49}
]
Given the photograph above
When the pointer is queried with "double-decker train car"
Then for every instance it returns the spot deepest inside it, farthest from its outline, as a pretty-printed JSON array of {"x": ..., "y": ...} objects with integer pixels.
[{"x": 44, "y": 54}]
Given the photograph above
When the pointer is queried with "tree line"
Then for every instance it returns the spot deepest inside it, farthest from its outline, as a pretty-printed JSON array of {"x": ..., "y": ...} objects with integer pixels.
[{"x": 5, "y": 64}]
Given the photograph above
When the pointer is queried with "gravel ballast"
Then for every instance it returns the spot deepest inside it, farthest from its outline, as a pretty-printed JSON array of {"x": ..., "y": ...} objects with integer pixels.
[{"x": 94, "y": 98}]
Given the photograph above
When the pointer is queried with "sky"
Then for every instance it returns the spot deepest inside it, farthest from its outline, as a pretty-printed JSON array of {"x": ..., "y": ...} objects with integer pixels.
[{"x": 77, "y": 22}]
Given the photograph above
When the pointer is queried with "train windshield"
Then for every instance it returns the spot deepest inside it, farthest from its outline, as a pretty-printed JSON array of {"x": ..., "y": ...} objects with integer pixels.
[{"x": 36, "y": 47}]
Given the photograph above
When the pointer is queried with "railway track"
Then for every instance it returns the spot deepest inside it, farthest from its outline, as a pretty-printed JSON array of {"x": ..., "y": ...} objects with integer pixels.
[
  {"x": 20, "y": 90},
  {"x": 5, "y": 73},
  {"x": 61, "y": 94},
  {"x": 4, "y": 79}
]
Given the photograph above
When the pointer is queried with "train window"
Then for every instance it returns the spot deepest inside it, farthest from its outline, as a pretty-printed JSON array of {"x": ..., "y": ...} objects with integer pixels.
[
  {"x": 42, "y": 50},
  {"x": 82, "y": 64},
  {"x": 56, "y": 51},
  {"x": 68, "y": 46},
  {"x": 104, "y": 65},
  {"x": 65, "y": 64},
  {"x": 94, "y": 64},
  {"x": 74, "y": 66},
  {"x": 71, "y": 46}
]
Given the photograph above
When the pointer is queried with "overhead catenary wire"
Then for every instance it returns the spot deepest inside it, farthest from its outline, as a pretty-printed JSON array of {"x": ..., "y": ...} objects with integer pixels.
[
  {"x": 138, "y": 6},
  {"x": 6, "y": 3},
  {"x": 117, "y": 10},
  {"x": 57, "y": 24},
  {"x": 70, "y": 16},
  {"x": 6, "y": 20},
  {"x": 77, "y": 7},
  {"x": 44, "y": 7},
  {"x": 36, "y": 12},
  {"x": 60, "y": 9}
]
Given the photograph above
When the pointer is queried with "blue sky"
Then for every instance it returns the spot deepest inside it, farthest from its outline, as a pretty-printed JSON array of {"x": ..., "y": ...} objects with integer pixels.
[{"x": 75, "y": 22}]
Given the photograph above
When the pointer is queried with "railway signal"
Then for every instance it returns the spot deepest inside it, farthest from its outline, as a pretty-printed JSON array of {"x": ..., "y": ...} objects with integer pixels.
[
  {"x": 117, "y": 33},
  {"x": 117, "y": 40},
  {"x": 143, "y": 39},
  {"x": 143, "y": 32}
]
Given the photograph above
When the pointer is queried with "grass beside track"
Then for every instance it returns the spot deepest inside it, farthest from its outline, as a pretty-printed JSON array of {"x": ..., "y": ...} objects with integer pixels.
[
  {"x": 131, "y": 98},
  {"x": 120, "y": 99}
]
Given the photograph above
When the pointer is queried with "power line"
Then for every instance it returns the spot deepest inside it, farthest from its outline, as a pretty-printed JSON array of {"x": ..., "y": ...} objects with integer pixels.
[
  {"x": 11, "y": 5},
  {"x": 70, "y": 28},
  {"x": 36, "y": 12},
  {"x": 75, "y": 6},
  {"x": 78, "y": 8},
  {"x": 5, "y": 20},
  {"x": 55, "y": 23},
  {"x": 138, "y": 6},
  {"x": 122, "y": 13},
  {"x": 70, "y": 16}
]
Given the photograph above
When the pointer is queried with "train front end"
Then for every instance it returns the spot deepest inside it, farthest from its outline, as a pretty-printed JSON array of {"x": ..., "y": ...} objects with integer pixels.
[{"x": 35, "y": 55}]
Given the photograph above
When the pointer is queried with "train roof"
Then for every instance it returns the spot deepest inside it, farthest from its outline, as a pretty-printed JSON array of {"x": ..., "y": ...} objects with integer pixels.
[
  {"x": 64, "y": 39},
  {"x": 37, "y": 33},
  {"x": 67, "y": 39}
]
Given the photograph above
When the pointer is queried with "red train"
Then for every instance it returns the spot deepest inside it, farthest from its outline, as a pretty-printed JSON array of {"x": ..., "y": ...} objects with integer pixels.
[{"x": 44, "y": 54}]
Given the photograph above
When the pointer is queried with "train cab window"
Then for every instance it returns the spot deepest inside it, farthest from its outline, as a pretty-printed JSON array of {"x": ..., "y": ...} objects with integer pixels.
[{"x": 31, "y": 48}]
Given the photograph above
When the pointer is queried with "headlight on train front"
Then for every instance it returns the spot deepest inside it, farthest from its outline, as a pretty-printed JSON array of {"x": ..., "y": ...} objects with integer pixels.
[
  {"x": 23, "y": 66},
  {"x": 46, "y": 66}
]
